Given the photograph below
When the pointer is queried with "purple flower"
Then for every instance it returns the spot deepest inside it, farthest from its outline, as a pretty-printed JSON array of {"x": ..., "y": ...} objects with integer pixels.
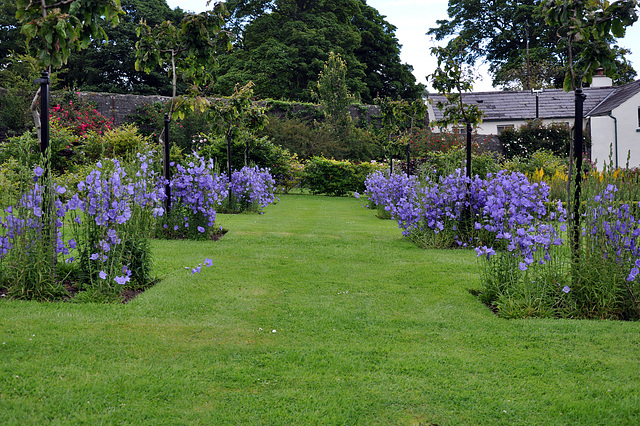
[
  {"x": 196, "y": 270},
  {"x": 208, "y": 262},
  {"x": 38, "y": 171},
  {"x": 122, "y": 280},
  {"x": 103, "y": 275},
  {"x": 200, "y": 229},
  {"x": 72, "y": 243},
  {"x": 566, "y": 289}
]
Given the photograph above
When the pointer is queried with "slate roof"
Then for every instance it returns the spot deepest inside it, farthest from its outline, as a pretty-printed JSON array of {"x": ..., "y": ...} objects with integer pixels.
[
  {"x": 617, "y": 97},
  {"x": 553, "y": 103}
]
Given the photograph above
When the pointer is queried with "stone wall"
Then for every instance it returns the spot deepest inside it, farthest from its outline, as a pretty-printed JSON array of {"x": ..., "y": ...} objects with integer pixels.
[{"x": 118, "y": 107}]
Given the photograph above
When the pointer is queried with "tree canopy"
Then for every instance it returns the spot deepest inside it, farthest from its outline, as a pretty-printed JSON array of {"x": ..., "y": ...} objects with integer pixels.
[
  {"x": 283, "y": 44},
  {"x": 510, "y": 35},
  {"x": 110, "y": 67}
]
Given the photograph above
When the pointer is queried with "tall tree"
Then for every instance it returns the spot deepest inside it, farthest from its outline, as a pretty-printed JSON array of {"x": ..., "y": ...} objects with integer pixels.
[
  {"x": 586, "y": 27},
  {"x": 283, "y": 44},
  {"x": 379, "y": 51},
  {"x": 110, "y": 67},
  {"x": 520, "y": 51},
  {"x": 10, "y": 38}
]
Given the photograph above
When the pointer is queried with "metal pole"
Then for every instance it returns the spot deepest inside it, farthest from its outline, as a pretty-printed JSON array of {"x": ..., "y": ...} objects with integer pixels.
[
  {"x": 47, "y": 226},
  {"x": 408, "y": 158},
  {"x": 578, "y": 139},
  {"x": 468, "y": 149},
  {"x": 229, "y": 163},
  {"x": 167, "y": 159}
]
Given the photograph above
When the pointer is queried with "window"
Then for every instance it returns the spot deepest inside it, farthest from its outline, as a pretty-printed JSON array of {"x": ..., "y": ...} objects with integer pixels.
[
  {"x": 639, "y": 117},
  {"x": 503, "y": 128}
]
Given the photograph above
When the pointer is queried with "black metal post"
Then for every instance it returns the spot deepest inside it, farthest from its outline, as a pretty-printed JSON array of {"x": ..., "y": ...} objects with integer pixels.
[
  {"x": 44, "y": 113},
  {"x": 229, "y": 163},
  {"x": 408, "y": 159},
  {"x": 468, "y": 126},
  {"x": 47, "y": 203},
  {"x": 578, "y": 139},
  {"x": 167, "y": 164}
]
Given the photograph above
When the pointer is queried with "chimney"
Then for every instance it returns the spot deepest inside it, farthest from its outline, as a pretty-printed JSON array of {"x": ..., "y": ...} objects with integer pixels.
[{"x": 601, "y": 80}]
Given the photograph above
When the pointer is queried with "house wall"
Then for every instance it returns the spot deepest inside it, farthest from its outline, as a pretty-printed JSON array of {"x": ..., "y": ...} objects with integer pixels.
[
  {"x": 491, "y": 127},
  {"x": 603, "y": 135},
  {"x": 603, "y": 142}
]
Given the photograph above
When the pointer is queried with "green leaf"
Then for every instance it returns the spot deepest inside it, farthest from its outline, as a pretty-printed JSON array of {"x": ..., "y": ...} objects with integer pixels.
[
  {"x": 567, "y": 85},
  {"x": 617, "y": 28}
]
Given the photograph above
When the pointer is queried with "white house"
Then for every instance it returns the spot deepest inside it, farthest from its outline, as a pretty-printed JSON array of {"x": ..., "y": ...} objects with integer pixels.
[{"x": 611, "y": 115}]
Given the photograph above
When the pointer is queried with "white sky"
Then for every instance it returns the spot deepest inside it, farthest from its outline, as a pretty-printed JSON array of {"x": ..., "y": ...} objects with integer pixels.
[{"x": 413, "y": 18}]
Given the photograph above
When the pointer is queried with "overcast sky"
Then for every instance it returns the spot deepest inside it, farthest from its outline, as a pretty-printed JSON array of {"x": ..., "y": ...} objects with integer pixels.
[{"x": 413, "y": 18}]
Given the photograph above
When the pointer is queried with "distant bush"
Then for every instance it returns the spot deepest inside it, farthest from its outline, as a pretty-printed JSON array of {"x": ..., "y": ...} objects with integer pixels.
[
  {"x": 438, "y": 163},
  {"x": 534, "y": 136},
  {"x": 333, "y": 177},
  {"x": 313, "y": 139},
  {"x": 149, "y": 118}
]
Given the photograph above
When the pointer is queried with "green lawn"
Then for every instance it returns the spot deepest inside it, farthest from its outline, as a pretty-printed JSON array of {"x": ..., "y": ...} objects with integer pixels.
[{"x": 316, "y": 312}]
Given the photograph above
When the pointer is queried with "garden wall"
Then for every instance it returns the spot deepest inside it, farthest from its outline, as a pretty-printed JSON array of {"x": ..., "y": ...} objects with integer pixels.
[{"x": 117, "y": 107}]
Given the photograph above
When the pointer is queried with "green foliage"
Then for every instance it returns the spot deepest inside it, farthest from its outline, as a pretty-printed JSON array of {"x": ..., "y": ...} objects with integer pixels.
[
  {"x": 589, "y": 26},
  {"x": 283, "y": 165},
  {"x": 110, "y": 66},
  {"x": 333, "y": 94},
  {"x": 424, "y": 142},
  {"x": 122, "y": 142},
  {"x": 452, "y": 79},
  {"x": 237, "y": 116},
  {"x": 337, "y": 178},
  {"x": 534, "y": 136},
  {"x": 522, "y": 54},
  {"x": 16, "y": 92},
  {"x": 541, "y": 159},
  {"x": 54, "y": 29},
  {"x": 439, "y": 163},
  {"x": 149, "y": 118},
  {"x": 189, "y": 50},
  {"x": 312, "y": 139},
  {"x": 284, "y": 44}
]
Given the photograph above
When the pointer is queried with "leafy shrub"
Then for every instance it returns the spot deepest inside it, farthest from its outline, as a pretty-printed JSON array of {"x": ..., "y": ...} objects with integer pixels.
[
  {"x": 78, "y": 116},
  {"x": 424, "y": 142},
  {"x": 14, "y": 111},
  {"x": 120, "y": 142},
  {"x": 283, "y": 166},
  {"x": 149, "y": 118},
  {"x": 313, "y": 139},
  {"x": 438, "y": 163},
  {"x": 541, "y": 159},
  {"x": 535, "y": 136},
  {"x": 332, "y": 177}
]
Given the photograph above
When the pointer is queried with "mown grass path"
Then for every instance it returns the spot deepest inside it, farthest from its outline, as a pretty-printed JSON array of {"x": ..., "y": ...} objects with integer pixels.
[{"x": 316, "y": 312}]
